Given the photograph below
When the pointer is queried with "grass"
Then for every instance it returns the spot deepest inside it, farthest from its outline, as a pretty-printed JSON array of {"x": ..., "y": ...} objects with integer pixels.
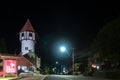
[
  {"x": 15, "y": 78},
  {"x": 7, "y": 78},
  {"x": 36, "y": 74}
]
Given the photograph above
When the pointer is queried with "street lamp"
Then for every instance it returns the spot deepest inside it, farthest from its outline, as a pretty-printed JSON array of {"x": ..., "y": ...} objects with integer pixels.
[
  {"x": 73, "y": 59},
  {"x": 57, "y": 67},
  {"x": 63, "y": 49},
  {"x": 56, "y": 62}
]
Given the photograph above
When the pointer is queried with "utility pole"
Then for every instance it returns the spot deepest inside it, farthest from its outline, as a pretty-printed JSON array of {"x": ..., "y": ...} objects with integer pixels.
[{"x": 73, "y": 59}]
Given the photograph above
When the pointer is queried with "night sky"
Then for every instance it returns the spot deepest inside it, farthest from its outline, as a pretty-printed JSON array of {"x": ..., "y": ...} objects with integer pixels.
[{"x": 56, "y": 22}]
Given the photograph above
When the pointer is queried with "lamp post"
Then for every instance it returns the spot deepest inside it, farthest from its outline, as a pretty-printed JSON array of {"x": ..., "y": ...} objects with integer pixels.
[
  {"x": 63, "y": 49},
  {"x": 73, "y": 60}
]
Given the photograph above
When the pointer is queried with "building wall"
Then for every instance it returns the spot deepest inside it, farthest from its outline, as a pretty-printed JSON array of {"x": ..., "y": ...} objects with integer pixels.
[{"x": 26, "y": 46}]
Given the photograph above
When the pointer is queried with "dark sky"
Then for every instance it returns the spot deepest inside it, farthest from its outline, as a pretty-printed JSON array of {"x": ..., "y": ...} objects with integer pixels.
[{"x": 75, "y": 23}]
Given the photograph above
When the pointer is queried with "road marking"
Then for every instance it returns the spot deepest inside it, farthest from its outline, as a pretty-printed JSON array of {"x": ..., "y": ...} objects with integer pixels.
[{"x": 44, "y": 77}]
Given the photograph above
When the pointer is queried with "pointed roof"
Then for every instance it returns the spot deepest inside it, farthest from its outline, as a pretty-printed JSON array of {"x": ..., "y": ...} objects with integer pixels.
[
  {"x": 21, "y": 60},
  {"x": 27, "y": 27}
]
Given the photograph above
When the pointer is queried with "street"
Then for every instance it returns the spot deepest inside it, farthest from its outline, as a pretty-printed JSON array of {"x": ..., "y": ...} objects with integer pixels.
[
  {"x": 38, "y": 77},
  {"x": 59, "y": 77},
  {"x": 70, "y": 77}
]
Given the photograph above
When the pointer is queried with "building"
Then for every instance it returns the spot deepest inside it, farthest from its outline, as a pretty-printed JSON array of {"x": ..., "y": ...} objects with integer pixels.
[
  {"x": 27, "y": 60},
  {"x": 27, "y": 38}
]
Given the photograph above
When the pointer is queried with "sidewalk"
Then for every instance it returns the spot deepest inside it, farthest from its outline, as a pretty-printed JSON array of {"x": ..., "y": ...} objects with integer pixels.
[{"x": 34, "y": 77}]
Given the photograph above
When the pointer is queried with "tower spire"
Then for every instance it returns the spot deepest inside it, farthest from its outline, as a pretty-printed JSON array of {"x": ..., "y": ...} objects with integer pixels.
[{"x": 27, "y": 27}]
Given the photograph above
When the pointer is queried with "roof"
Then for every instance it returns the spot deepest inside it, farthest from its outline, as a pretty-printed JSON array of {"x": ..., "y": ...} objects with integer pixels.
[
  {"x": 21, "y": 60},
  {"x": 27, "y": 27},
  {"x": 24, "y": 62}
]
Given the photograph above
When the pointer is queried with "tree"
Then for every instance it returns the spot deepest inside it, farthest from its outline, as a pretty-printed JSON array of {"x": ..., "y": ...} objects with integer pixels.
[
  {"x": 107, "y": 42},
  {"x": 77, "y": 65},
  {"x": 3, "y": 46}
]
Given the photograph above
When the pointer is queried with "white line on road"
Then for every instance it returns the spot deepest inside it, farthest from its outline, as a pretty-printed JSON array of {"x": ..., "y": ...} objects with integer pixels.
[{"x": 44, "y": 77}]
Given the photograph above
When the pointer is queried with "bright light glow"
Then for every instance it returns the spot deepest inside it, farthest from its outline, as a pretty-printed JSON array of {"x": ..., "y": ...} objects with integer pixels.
[
  {"x": 63, "y": 49},
  {"x": 64, "y": 69},
  {"x": 94, "y": 66},
  {"x": 98, "y": 67},
  {"x": 56, "y": 62}
]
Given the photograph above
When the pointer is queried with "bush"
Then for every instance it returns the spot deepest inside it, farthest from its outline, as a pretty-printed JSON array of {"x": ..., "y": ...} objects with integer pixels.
[
  {"x": 112, "y": 74},
  {"x": 75, "y": 73},
  {"x": 87, "y": 73}
]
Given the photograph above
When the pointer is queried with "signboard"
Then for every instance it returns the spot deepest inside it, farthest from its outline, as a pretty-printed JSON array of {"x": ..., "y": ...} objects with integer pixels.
[{"x": 10, "y": 66}]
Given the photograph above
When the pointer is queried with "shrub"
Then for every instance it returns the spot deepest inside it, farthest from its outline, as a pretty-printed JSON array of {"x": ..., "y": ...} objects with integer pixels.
[
  {"x": 87, "y": 73},
  {"x": 75, "y": 73},
  {"x": 112, "y": 74}
]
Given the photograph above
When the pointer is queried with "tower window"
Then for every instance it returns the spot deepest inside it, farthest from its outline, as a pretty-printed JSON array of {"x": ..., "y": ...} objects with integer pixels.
[
  {"x": 26, "y": 48},
  {"x": 22, "y": 34},
  {"x": 30, "y": 34}
]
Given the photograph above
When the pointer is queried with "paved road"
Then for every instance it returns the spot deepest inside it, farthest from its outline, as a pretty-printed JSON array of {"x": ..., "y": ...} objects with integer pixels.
[
  {"x": 40, "y": 77},
  {"x": 70, "y": 77},
  {"x": 59, "y": 77}
]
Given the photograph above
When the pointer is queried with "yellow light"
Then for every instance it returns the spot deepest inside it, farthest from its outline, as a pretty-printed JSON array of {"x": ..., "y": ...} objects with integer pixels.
[{"x": 94, "y": 66}]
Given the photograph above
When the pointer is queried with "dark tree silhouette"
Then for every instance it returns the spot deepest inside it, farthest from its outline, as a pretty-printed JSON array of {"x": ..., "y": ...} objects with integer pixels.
[
  {"x": 3, "y": 46},
  {"x": 107, "y": 42}
]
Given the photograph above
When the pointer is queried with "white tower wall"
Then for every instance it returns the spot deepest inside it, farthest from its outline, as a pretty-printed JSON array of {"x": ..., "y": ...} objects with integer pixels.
[
  {"x": 27, "y": 39},
  {"x": 26, "y": 46}
]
